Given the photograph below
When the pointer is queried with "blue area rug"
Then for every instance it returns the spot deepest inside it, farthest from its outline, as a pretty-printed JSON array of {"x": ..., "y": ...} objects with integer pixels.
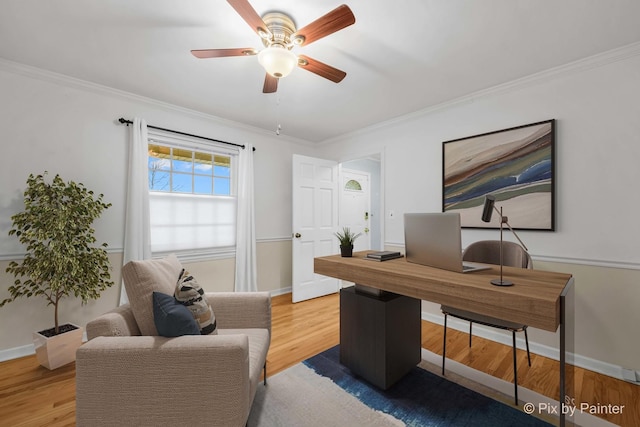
[{"x": 422, "y": 398}]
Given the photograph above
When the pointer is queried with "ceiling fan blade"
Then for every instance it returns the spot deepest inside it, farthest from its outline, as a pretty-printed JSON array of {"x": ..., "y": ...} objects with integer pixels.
[
  {"x": 251, "y": 17},
  {"x": 321, "y": 69},
  {"x": 270, "y": 84},
  {"x": 337, "y": 19},
  {"x": 219, "y": 53}
]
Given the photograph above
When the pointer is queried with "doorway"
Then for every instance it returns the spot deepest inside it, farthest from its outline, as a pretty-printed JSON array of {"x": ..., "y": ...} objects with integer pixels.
[
  {"x": 352, "y": 200},
  {"x": 317, "y": 185}
]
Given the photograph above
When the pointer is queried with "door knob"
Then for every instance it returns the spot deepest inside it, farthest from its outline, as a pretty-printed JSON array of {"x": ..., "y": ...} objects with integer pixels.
[{"x": 298, "y": 235}]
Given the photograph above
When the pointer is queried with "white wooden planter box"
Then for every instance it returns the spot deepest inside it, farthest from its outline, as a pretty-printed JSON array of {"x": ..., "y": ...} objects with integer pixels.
[{"x": 58, "y": 350}]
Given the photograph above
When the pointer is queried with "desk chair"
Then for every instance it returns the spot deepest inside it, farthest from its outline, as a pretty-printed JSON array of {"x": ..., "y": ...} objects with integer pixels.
[{"x": 488, "y": 251}]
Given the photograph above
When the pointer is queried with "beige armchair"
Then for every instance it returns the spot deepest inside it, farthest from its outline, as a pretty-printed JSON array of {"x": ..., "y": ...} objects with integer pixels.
[{"x": 127, "y": 377}]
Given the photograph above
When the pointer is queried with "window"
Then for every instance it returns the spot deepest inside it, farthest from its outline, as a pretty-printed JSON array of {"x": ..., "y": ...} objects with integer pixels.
[
  {"x": 177, "y": 170},
  {"x": 192, "y": 197},
  {"x": 353, "y": 185}
]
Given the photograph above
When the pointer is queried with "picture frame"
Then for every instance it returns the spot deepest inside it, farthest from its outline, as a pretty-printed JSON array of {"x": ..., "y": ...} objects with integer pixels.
[{"x": 515, "y": 165}]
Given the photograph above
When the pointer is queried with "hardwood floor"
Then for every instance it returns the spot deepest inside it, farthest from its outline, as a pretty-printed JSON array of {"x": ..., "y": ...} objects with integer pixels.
[
  {"x": 31, "y": 395},
  {"x": 542, "y": 377}
]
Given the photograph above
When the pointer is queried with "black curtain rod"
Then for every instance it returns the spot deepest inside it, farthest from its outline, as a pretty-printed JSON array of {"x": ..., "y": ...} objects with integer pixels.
[{"x": 129, "y": 122}]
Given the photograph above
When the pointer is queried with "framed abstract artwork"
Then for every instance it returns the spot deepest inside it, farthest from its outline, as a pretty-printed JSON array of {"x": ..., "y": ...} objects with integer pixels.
[{"x": 516, "y": 165}]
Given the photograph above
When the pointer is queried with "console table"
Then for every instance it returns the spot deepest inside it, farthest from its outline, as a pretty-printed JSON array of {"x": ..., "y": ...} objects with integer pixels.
[{"x": 540, "y": 299}]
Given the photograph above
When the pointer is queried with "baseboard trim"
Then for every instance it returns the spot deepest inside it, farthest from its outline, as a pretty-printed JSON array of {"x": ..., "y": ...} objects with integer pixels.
[
  {"x": 493, "y": 334},
  {"x": 505, "y": 390},
  {"x": 281, "y": 291},
  {"x": 25, "y": 350},
  {"x": 17, "y": 352}
]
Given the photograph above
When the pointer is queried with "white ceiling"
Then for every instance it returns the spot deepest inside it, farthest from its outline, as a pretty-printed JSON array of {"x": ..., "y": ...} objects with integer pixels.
[{"x": 400, "y": 56}]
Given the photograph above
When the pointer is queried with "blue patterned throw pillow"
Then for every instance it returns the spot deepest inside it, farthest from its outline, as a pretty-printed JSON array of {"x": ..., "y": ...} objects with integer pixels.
[{"x": 190, "y": 294}]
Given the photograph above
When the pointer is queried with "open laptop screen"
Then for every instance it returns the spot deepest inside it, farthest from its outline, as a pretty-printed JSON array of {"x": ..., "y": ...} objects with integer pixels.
[{"x": 434, "y": 239}]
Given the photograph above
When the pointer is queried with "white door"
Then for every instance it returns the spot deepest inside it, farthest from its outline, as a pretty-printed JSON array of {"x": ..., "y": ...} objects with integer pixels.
[
  {"x": 315, "y": 219},
  {"x": 355, "y": 206}
]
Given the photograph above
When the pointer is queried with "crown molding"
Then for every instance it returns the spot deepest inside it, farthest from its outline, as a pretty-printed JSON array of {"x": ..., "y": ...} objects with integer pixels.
[
  {"x": 76, "y": 83},
  {"x": 584, "y": 64},
  {"x": 575, "y": 67}
]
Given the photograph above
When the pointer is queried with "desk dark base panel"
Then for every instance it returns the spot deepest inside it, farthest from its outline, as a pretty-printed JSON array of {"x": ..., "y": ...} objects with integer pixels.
[{"x": 379, "y": 335}]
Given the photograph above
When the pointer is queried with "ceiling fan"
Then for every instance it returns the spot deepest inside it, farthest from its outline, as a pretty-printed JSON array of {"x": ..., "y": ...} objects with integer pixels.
[{"x": 279, "y": 35}]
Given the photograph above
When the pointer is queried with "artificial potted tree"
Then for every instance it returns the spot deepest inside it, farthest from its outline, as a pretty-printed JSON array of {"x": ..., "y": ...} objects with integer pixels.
[
  {"x": 346, "y": 238},
  {"x": 61, "y": 258}
]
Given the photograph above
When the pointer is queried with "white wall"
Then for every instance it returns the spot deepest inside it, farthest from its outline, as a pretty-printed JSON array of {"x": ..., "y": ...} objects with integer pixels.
[
  {"x": 62, "y": 125},
  {"x": 51, "y": 122},
  {"x": 595, "y": 103}
]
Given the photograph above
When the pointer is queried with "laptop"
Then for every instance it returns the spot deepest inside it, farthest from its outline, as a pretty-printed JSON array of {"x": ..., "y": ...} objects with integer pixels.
[{"x": 434, "y": 239}]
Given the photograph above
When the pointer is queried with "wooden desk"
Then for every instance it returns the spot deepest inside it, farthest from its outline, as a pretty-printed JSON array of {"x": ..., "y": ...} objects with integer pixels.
[
  {"x": 534, "y": 299},
  {"x": 540, "y": 299}
]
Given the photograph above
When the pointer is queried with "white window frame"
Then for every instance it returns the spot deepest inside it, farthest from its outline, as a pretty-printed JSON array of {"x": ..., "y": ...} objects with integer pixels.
[{"x": 159, "y": 137}]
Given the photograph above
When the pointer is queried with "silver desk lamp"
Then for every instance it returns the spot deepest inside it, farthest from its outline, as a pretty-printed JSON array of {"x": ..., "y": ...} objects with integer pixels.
[{"x": 487, "y": 212}]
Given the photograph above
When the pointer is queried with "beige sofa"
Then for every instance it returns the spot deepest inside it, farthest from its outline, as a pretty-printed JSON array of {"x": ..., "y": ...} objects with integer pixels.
[{"x": 126, "y": 377}]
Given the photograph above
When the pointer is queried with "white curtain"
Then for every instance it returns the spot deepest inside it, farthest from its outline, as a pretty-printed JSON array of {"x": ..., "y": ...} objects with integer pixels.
[
  {"x": 137, "y": 234},
  {"x": 246, "y": 271}
]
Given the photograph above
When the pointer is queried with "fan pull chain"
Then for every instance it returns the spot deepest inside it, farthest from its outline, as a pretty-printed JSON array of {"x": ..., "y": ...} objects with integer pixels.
[{"x": 278, "y": 125}]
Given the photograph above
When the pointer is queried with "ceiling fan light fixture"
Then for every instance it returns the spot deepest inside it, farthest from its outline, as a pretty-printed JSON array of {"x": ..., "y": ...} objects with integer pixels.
[{"x": 277, "y": 60}]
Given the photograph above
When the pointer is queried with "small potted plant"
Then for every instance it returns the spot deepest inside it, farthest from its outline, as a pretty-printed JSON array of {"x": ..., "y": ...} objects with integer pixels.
[
  {"x": 61, "y": 258},
  {"x": 346, "y": 238}
]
